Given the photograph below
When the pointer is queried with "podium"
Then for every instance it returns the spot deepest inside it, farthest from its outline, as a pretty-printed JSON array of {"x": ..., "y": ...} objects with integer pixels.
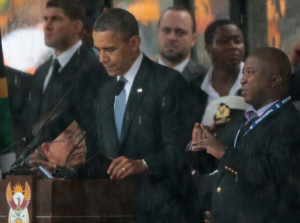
[{"x": 66, "y": 201}]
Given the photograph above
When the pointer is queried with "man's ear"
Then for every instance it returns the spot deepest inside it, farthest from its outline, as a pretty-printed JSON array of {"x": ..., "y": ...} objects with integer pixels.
[
  {"x": 135, "y": 42},
  {"x": 276, "y": 80},
  {"x": 46, "y": 150},
  {"x": 78, "y": 26},
  {"x": 208, "y": 48},
  {"x": 194, "y": 39}
]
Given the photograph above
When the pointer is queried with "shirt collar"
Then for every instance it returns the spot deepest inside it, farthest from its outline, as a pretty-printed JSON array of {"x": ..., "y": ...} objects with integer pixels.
[
  {"x": 208, "y": 88},
  {"x": 179, "y": 67},
  {"x": 260, "y": 111},
  {"x": 131, "y": 73},
  {"x": 64, "y": 58}
]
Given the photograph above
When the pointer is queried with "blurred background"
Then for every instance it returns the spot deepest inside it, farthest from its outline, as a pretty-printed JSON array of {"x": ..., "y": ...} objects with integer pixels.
[{"x": 264, "y": 22}]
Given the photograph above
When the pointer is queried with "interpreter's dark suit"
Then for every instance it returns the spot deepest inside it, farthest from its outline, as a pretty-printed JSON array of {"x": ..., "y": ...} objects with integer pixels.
[
  {"x": 83, "y": 69},
  {"x": 261, "y": 184},
  {"x": 151, "y": 130}
]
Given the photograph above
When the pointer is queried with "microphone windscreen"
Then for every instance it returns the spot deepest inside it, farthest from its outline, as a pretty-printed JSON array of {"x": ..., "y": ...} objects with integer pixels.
[{"x": 118, "y": 87}]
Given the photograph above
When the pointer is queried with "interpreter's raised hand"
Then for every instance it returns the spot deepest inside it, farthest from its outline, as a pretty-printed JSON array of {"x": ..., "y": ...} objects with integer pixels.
[
  {"x": 212, "y": 145},
  {"x": 196, "y": 134},
  {"x": 123, "y": 167}
]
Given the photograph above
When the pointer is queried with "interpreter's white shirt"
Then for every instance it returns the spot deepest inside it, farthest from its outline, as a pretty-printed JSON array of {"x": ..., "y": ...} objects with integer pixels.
[
  {"x": 130, "y": 74},
  {"x": 180, "y": 67},
  {"x": 63, "y": 59}
]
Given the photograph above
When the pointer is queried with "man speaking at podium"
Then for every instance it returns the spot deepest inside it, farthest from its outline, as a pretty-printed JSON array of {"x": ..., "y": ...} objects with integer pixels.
[{"x": 140, "y": 126}]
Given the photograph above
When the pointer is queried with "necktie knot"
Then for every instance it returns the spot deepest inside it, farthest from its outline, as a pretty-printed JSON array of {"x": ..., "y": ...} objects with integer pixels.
[
  {"x": 123, "y": 79},
  {"x": 56, "y": 65},
  {"x": 251, "y": 116}
]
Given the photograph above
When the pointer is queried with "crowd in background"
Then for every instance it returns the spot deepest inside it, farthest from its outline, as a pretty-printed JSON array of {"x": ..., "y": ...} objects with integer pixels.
[{"x": 217, "y": 144}]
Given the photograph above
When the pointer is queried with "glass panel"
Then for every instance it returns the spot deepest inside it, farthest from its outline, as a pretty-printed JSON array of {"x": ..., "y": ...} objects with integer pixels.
[
  {"x": 147, "y": 13},
  {"x": 283, "y": 23},
  {"x": 22, "y": 35},
  {"x": 207, "y": 11}
]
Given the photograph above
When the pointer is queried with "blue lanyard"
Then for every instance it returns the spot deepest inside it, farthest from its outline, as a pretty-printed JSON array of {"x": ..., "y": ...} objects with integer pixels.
[{"x": 274, "y": 107}]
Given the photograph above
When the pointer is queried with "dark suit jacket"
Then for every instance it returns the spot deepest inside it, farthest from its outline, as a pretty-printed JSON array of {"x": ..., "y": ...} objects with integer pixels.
[
  {"x": 294, "y": 89},
  {"x": 192, "y": 71},
  {"x": 18, "y": 84},
  {"x": 195, "y": 102},
  {"x": 266, "y": 162},
  {"x": 83, "y": 70},
  {"x": 151, "y": 130}
]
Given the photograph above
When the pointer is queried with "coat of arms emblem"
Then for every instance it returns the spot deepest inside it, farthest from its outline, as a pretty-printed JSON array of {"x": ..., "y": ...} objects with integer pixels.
[{"x": 18, "y": 200}]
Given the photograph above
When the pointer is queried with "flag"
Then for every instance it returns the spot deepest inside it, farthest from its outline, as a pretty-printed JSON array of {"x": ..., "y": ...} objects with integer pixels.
[{"x": 7, "y": 157}]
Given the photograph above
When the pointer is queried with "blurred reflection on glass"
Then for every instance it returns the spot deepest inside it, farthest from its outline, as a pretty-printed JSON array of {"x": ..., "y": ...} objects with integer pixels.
[{"x": 22, "y": 34}]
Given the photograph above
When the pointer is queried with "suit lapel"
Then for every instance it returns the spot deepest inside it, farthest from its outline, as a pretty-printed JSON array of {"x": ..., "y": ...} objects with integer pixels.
[
  {"x": 137, "y": 92},
  {"x": 106, "y": 114},
  {"x": 37, "y": 94}
]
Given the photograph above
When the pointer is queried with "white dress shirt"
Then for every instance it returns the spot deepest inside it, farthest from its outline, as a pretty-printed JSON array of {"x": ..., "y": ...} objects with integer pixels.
[
  {"x": 130, "y": 75},
  {"x": 63, "y": 59},
  {"x": 212, "y": 93},
  {"x": 180, "y": 67}
]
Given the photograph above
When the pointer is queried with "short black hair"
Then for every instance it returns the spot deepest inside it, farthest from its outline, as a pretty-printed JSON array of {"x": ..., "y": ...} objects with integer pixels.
[
  {"x": 74, "y": 9},
  {"x": 118, "y": 20},
  {"x": 180, "y": 8},
  {"x": 211, "y": 28},
  {"x": 276, "y": 57}
]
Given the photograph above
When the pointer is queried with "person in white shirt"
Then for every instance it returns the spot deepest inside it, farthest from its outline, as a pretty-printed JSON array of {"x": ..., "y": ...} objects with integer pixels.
[{"x": 225, "y": 46}]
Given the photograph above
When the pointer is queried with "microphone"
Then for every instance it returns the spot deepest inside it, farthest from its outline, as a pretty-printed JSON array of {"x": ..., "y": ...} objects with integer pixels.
[
  {"x": 46, "y": 133},
  {"x": 25, "y": 141},
  {"x": 32, "y": 142},
  {"x": 116, "y": 91}
]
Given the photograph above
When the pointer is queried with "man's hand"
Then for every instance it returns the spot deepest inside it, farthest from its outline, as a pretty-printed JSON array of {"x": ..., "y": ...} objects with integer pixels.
[
  {"x": 210, "y": 143},
  {"x": 123, "y": 167},
  {"x": 36, "y": 159},
  {"x": 198, "y": 132}
]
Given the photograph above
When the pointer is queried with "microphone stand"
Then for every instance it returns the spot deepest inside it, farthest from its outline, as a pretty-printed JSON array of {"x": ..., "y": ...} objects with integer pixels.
[{"x": 37, "y": 140}]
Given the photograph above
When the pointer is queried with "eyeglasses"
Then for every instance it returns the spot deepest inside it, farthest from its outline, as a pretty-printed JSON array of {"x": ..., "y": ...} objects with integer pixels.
[{"x": 71, "y": 139}]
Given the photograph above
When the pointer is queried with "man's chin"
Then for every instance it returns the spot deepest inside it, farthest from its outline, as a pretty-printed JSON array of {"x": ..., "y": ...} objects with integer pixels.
[{"x": 174, "y": 58}]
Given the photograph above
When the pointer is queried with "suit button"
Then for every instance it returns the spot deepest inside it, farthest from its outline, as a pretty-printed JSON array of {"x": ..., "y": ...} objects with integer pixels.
[{"x": 219, "y": 189}]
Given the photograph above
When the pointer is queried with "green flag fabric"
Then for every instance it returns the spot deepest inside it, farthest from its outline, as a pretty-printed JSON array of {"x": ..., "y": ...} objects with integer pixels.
[
  {"x": 6, "y": 134},
  {"x": 7, "y": 157}
]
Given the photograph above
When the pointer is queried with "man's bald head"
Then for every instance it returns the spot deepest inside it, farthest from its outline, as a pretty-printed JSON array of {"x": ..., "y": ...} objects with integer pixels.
[
  {"x": 266, "y": 78},
  {"x": 276, "y": 62}
]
